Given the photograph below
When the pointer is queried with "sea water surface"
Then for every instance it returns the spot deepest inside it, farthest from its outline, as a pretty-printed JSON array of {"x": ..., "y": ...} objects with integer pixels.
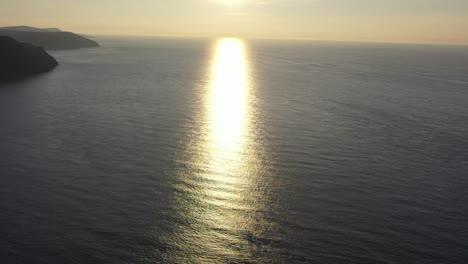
[{"x": 153, "y": 150}]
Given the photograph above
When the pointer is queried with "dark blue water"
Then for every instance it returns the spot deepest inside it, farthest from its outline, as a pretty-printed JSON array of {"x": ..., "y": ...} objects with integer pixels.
[{"x": 205, "y": 151}]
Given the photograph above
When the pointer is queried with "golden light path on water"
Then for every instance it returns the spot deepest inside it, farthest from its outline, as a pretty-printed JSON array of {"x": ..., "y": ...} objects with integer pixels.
[
  {"x": 221, "y": 186},
  {"x": 227, "y": 107}
]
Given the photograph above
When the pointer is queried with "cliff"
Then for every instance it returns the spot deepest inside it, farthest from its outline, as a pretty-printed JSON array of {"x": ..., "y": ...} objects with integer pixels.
[
  {"x": 48, "y": 39},
  {"x": 20, "y": 60}
]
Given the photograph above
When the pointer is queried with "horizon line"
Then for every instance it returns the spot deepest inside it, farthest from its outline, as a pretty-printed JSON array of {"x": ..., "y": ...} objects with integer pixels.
[
  {"x": 285, "y": 39},
  {"x": 357, "y": 41}
]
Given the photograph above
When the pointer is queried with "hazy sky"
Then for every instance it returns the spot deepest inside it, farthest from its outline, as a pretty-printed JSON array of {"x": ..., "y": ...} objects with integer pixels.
[{"x": 436, "y": 21}]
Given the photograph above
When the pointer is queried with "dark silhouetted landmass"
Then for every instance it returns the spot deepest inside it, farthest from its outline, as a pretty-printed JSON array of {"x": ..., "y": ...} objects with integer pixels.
[
  {"x": 49, "y": 39},
  {"x": 30, "y": 29},
  {"x": 19, "y": 60}
]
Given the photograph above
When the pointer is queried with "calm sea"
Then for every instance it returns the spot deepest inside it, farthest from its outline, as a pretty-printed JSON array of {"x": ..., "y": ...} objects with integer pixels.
[{"x": 155, "y": 150}]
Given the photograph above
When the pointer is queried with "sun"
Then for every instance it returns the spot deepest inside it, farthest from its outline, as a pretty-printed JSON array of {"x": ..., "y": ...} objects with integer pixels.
[{"x": 230, "y": 2}]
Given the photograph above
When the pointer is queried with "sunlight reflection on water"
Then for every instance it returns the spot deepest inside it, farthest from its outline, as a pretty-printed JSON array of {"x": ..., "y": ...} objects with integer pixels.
[{"x": 221, "y": 188}]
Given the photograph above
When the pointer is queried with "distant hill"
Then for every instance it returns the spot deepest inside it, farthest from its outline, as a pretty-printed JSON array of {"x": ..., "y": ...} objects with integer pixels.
[
  {"x": 30, "y": 29},
  {"x": 20, "y": 60},
  {"x": 48, "y": 38}
]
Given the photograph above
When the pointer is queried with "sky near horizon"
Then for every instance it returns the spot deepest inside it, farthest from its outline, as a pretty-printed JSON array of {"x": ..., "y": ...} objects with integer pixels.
[{"x": 423, "y": 21}]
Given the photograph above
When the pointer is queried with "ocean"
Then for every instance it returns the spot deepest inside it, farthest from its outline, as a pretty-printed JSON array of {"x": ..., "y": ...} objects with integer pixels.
[{"x": 160, "y": 150}]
